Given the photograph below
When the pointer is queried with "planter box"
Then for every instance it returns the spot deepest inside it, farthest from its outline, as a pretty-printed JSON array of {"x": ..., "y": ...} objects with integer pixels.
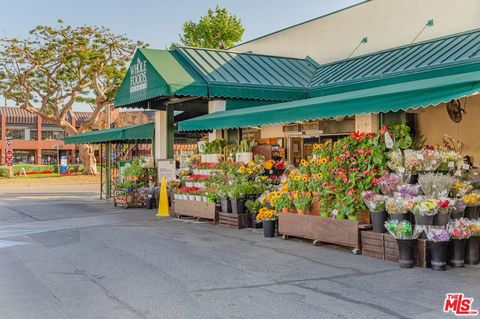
[
  {"x": 341, "y": 232},
  {"x": 237, "y": 221},
  {"x": 373, "y": 245},
  {"x": 197, "y": 209}
]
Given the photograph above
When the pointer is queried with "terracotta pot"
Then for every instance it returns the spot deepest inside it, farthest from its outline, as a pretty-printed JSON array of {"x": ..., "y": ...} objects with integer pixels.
[
  {"x": 285, "y": 210},
  {"x": 364, "y": 217},
  {"x": 300, "y": 212},
  {"x": 315, "y": 209}
]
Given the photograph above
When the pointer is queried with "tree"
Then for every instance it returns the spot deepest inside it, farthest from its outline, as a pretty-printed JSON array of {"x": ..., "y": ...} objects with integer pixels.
[
  {"x": 217, "y": 30},
  {"x": 46, "y": 73}
]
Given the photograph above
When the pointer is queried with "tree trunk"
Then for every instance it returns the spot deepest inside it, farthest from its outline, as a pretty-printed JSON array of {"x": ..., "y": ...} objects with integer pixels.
[{"x": 87, "y": 157}]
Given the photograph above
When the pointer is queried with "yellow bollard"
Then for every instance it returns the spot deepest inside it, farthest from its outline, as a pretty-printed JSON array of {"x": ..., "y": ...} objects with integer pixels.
[{"x": 163, "y": 201}]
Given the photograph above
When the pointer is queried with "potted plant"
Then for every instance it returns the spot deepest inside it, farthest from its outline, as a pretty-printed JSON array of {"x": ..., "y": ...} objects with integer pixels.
[
  {"x": 397, "y": 208},
  {"x": 438, "y": 239},
  {"x": 471, "y": 200},
  {"x": 472, "y": 245},
  {"x": 198, "y": 196},
  {"x": 406, "y": 237},
  {"x": 282, "y": 202},
  {"x": 424, "y": 209},
  {"x": 302, "y": 202},
  {"x": 268, "y": 218},
  {"x": 244, "y": 152},
  {"x": 460, "y": 231},
  {"x": 253, "y": 206},
  {"x": 216, "y": 150},
  {"x": 376, "y": 204}
]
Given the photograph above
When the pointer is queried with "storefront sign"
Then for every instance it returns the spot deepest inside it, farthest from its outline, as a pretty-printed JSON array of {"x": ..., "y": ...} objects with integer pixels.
[
  {"x": 9, "y": 151},
  {"x": 166, "y": 168},
  {"x": 138, "y": 76}
]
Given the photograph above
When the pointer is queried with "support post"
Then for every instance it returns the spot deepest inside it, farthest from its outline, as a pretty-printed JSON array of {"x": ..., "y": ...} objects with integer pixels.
[
  {"x": 101, "y": 171},
  {"x": 108, "y": 155},
  {"x": 164, "y": 134}
]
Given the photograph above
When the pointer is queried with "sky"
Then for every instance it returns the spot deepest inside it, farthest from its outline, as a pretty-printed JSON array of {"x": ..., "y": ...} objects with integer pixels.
[{"x": 159, "y": 23}]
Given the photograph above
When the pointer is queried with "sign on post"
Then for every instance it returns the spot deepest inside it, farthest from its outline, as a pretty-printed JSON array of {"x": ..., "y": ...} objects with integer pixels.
[
  {"x": 9, "y": 156},
  {"x": 166, "y": 168},
  {"x": 63, "y": 164}
]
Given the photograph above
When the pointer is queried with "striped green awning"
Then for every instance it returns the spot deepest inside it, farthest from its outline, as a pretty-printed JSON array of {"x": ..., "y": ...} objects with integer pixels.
[
  {"x": 395, "y": 97},
  {"x": 128, "y": 134}
]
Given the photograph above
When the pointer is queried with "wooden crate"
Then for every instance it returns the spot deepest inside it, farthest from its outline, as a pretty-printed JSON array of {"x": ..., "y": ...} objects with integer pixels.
[
  {"x": 191, "y": 208},
  {"x": 422, "y": 251},
  {"x": 341, "y": 232},
  {"x": 237, "y": 221},
  {"x": 373, "y": 245}
]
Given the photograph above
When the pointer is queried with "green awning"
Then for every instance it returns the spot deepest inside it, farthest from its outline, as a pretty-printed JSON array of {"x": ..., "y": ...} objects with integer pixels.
[
  {"x": 156, "y": 73},
  {"x": 395, "y": 97},
  {"x": 142, "y": 133}
]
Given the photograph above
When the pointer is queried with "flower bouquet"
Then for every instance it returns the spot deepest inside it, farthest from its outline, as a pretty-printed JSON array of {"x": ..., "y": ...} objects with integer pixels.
[
  {"x": 430, "y": 160},
  {"x": 412, "y": 162},
  {"x": 408, "y": 190},
  {"x": 438, "y": 239},
  {"x": 435, "y": 185},
  {"x": 396, "y": 208},
  {"x": 395, "y": 161},
  {"x": 424, "y": 209},
  {"x": 444, "y": 207},
  {"x": 406, "y": 236},
  {"x": 459, "y": 229},
  {"x": 457, "y": 210},
  {"x": 459, "y": 189},
  {"x": 376, "y": 204},
  {"x": 388, "y": 183},
  {"x": 449, "y": 161}
]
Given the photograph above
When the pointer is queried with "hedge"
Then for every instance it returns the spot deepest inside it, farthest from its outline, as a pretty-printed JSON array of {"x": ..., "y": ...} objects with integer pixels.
[{"x": 17, "y": 168}]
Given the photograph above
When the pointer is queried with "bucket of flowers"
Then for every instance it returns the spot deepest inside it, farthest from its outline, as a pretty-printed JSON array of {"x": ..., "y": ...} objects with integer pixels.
[
  {"x": 472, "y": 201},
  {"x": 436, "y": 184},
  {"x": 459, "y": 230},
  {"x": 424, "y": 209},
  {"x": 388, "y": 184},
  {"x": 397, "y": 208},
  {"x": 268, "y": 218},
  {"x": 457, "y": 210},
  {"x": 445, "y": 205},
  {"x": 406, "y": 236},
  {"x": 376, "y": 204},
  {"x": 472, "y": 246},
  {"x": 438, "y": 239}
]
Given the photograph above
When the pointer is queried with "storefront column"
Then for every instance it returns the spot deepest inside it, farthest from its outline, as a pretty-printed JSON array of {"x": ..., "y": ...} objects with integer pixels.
[
  {"x": 366, "y": 123},
  {"x": 216, "y": 106},
  {"x": 3, "y": 139},
  {"x": 164, "y": 133}
]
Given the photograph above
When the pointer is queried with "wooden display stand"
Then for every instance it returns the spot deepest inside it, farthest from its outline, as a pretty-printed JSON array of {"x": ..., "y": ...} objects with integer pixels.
[
  {"x": 191, "y": 208},
  {"x": 384, "y": 247},
  {"x": 237, "y": 221},
  {"x": 341, "y": 232}
]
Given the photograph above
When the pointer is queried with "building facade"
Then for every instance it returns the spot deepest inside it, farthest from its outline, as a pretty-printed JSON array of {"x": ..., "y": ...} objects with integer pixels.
[{"x": 35, "y": 141}]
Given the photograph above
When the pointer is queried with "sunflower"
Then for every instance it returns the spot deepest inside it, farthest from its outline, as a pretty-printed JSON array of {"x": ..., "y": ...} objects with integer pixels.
[
  {"x": 304, "y": 162},
  {"x": 305, "y": 179},
  {"x": 297, "y": 178}
]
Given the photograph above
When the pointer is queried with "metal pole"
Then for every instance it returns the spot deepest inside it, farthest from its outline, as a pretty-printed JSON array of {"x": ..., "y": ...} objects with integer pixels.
[
  {"x": 58, "y": 159},
  {"x": 101, "y": 171},
  {"x": 108, "y": 155}
]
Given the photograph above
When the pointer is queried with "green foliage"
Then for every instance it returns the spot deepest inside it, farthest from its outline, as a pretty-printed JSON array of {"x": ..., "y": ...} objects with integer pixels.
[
  {"x": 135, "y": 169},
  {"x": 214, "y": 147},
  {"x": 401, "y": 136},
  {"x": 253, "y": 206},
  {"x": 17, "y": 168},
  {"x": 244, "y": 146},
  {"x": 218, "y": 29},
  {"x": 47, "y": 72}
]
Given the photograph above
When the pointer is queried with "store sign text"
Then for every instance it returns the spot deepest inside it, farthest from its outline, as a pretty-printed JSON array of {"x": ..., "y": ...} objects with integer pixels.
[{"x": 138, "y": 76}]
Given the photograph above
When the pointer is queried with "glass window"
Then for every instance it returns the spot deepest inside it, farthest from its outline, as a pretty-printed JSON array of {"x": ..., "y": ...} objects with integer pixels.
[
  {"x": 52, "y": 135},
  {"x": 23, "y": 157},
  {"x": 33, "y": 135},
  {"x": 49, "y": 157},
  {"x": 16, "y": 134}
]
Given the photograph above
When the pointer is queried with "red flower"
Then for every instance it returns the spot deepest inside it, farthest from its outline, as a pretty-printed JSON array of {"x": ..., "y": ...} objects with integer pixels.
[{"x": 383, "y": 130}]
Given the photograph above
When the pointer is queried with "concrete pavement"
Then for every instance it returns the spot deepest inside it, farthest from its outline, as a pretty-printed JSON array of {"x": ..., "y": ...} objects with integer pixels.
[{"x": 64, "y": 257}]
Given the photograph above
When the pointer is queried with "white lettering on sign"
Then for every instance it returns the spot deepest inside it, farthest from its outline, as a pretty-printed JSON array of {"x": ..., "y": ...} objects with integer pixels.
[{"x": 138, "y": 76}]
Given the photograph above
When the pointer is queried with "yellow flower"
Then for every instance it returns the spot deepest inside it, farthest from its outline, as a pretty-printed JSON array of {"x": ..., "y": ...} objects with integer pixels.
[
  {"x": 297, "y": 178},
  {"x": 305, "y": 179},
  {"x": 319, "y": 161},
  {"x": 304, "y": 162}
]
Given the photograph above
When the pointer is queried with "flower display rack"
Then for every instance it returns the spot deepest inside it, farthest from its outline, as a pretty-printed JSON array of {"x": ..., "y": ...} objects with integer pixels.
[
  {"x": 384, "y": 247},
  {"x": 205, "y": 210},
  {"x": 237, "y": 221},
  {"x": 342, "y": 232}
]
